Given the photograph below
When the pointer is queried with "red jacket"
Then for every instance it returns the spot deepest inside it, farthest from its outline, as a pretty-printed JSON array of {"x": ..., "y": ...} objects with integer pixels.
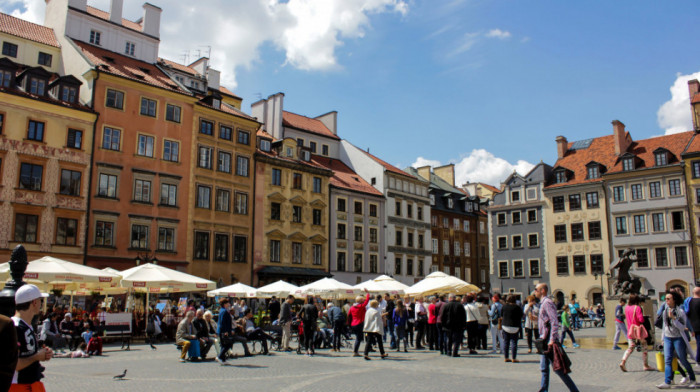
[{"x": 357, "y": 312}]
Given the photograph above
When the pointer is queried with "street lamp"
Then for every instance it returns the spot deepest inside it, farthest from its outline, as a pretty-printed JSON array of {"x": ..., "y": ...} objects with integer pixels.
[
  {"x": 146, "y": 258},
  {"x": 595, "y": 276}
]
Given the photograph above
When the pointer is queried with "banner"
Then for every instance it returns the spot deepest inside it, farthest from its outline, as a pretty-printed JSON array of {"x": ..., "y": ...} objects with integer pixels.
[{"x": 117, "y": 323}]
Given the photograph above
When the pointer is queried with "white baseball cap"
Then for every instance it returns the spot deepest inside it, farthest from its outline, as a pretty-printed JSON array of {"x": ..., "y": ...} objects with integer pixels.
[{"x": 28, "y": 293}]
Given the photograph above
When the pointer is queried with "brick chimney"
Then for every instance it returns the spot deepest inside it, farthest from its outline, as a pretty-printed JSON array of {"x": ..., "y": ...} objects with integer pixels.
[
  {"x": 562, "y": 146},
  {"x": 693, "y": 89},
  {"x": 447, "y": 173},
  {"x": 424, "y": 171},
  {"x": 622, "y": 141},
  {"x": 115, "y": 11}
]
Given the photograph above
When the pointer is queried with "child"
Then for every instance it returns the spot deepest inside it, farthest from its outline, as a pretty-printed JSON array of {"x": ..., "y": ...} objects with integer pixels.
[
  {"x": 566, "y": 327},
  {"x": 79, "y": 353}
]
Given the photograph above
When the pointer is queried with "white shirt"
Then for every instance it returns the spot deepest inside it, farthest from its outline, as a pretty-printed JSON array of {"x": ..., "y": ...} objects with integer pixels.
[{"x": 472, "y": 312}]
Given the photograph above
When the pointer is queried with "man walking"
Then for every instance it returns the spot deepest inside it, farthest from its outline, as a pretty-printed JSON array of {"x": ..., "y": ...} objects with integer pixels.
[
  {"x": 619, "y": 323},
  {"x": 549, "y": 326},
  {"x": 694, "y": 319},
  {"x": 29, "y": 371},
  {"x": 337, "y": 319},
  {"x": 454, "y": 320},
  {"x": 495, "y": 313},
  {"x": 285, "y": 320}
]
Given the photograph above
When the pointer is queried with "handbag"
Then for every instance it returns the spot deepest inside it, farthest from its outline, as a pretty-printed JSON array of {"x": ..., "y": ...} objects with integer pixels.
[
  {"x": 659, "y": 322},
  {"x": 637, "y": 331},
  {"x": 542, "y": 345}
]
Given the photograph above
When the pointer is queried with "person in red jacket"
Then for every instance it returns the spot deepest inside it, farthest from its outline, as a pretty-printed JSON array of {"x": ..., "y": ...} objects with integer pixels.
[{"x": 356, "y": 320}]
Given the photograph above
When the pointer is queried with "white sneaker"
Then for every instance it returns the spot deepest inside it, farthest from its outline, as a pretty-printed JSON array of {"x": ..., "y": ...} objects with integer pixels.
[
  {"x": 222, "y": 363},
  {"x": 692, "y": 384},
  {"x": 684, "y": 381},
  {"x": 664, "y": 386}
]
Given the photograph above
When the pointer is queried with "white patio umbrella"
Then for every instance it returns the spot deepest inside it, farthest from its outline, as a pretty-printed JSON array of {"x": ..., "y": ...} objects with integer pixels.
[
  {"x": 391, "y": 283},
  {"x": 328, "y": 288},
  {"x": 278, "y": 289},
  {"x": 239, "y": 290},
  {"x": 441, "y": 283}
]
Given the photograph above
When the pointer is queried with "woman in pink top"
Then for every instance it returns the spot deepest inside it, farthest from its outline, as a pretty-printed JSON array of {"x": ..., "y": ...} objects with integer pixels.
[
  {"x": 356, "y": 319},
  {"x": 636, "y": 333}
]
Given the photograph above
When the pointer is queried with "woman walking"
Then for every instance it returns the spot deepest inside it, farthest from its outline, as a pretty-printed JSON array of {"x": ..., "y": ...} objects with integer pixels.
[
  {"x": 473, "y": 317},
  {"x": 512, "y": 317},
  {"x": 566, "y": 327},
  {"x": 674, "y": 342},
  {"x": 309, "y": 315},
  {"x": 356, "y": 318},
  {"x": 636, "y": 333},
  {"x": 532, "y": 312},
  {"x": 374, "y": 327},
  {"x": 400, "y": 318}
]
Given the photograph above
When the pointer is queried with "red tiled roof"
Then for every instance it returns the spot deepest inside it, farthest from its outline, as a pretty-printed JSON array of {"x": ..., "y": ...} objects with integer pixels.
[
  {"x": 601, "y": 150},
  {"x": 226, "y": 91},
  {"x": 105, "y": 15},
  {"x": 179, "y": 67},
  {"x": 273, "y": 154},
  {"x": 344, "y": 177},
  {"x": 490, "y": 187},
  {"x": 389, "y": 167},
  {"x": 128, "y": 67},
  {"x": 644, "y": 149},
  {"x": 693, "y": 146},
  {"x": 27, "y": 30},
  {"x": 307, "y": 124},
  {"x": 262, "y": 133},
  {"x": 696, "y": 98}
]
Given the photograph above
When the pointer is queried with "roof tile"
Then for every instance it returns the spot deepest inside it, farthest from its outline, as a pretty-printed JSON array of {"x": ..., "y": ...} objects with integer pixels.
[
  {"x": 344, "y": 177},
  {"x": 28, "y": 30},
  {"x": 105, "y": 15},
  {"x": 389, "y": 167},
  {"x": 307, "y": 124}
]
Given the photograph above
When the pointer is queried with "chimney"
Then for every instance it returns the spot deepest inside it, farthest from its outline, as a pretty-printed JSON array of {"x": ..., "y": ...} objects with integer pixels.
[
  {"x": 213, "y": 78},
  {"x": 447, "y": 173},
  {"x": 622, "y": 142},
  {"x": 269, "y": 112},
  {"x": 78, "y": 4},
  {"x": 424, "y": 171},
  {"x": 693, "y": 89},
  {"x": 115, "y": 11},
  {"x": 330, "y": 120},
  {"x": 151, "y": 20},
  {"x": 562, "y": 146},
  {"x": 201, "y": 65}
]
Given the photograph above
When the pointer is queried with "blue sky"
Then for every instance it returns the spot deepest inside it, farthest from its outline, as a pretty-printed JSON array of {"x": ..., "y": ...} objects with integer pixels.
[{"x": 486, "y": 85}]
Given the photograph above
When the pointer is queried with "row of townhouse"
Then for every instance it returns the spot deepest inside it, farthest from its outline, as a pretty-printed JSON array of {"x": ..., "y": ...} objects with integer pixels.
[
  {"x": 565, "y": 225},
  {"x": 112, "y": 156}
]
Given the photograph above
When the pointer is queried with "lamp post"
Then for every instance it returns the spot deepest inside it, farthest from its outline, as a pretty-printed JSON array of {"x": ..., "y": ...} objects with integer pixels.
[
  {"x": 602, "y": 292},
  {"x": 18, "y": 264}
]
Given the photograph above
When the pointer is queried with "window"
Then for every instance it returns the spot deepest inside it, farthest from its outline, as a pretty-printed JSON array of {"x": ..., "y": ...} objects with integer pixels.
[
  {"x": 316, "y": 217},
  {"x": 558, "y": 203},
  {"x": 399, "y": 237},
  {"x": 397, "y": 266},
  {"x": 206, "y": 127},
  {"x": 274, "y": 251},
  {"x": 6, "y": 78},
  {"x": 677, "y": 221},
  {"x": 275, "y": 211},
  {"x": 560, "y": 233},
  {"x": 618, "y": 193},
  {"x": 502, "y": 242},
  {"x": 697, "y": 195},
  {"x": 139, "y": 237},
  {"x": 637, "y": 191},
  {"x": 70, "y": 182},
  {"x": 593, "y": 172},
  {"x": 621, "y": 225},
  {"x": 168, "y": 194},
  {"x": 640, "y": 224},
  {"x": 434, "y": 220},
  {"x": 30, "y": 176},
  {"x": 450, "y": 203},
  {"x": 243, "y": 137},
  {"x": 240, "y": 249},
  {"x": 628, "y": 164},
  {"x": 148, "y": 107},
  {"x": 166, "y": 239},
  {"x": 562, "y": 265},
  {"x": 104, "y": 233},
  {"x": 373, "y": 238},
  {"x": 420, "y": 241},
  {"x": 225, "y": 132},
  {"x": 107, "y": 186},
  {"x": 69, "y": 94},
  {"x": 597, "y": 264},
  {"x": 37, "y": 86},
  {"x": 224, "y": 163},
  {"x": 515, "y": 216},
  {"x": 67, "y": 229},
  {"x": 532, "y": 240},
  {"x": 26, "y": 228},
  {"x": 276, "y": 177},
  {"x": 373, "y": 210},
  {"x": 467, "y": 249},
  {"x": 203, "y": 196},
  {"x": 515, "y": 196},
  {"x": 317, "y": 254},
  {"x": 145, "y": 147},
  {"x": 357, "y": 264},
  {"x": 296, "y": 252},
  {"x": 223, "y": 197},
  {"x": 95, "y": 37},
  {"x": 696, "y": 169},
  {"x": 312, "y": 146},
  {"x": 201, "y": 245},
  {"x": 35, "y": 131},
  {"x": 142, "y": 191},
  {"x": 534, "y": 267},
  {"x": 517, "y": 241},
  {"x": 661, "y": 158},
  {"x": 44, "y": 59},
  {"x": 129, "y": 48},
  {"x": 409, "y": 210},
  {"x": 296, "y": 214},
  {"x": 446, "y": 222},
  {"x": 9, "y": 49},
  {"x": 172, "y": 113},
  {"x": 502, "y": 269},
  {"x": 358, "y": 208},
  {"x": 674, "y": 187},
  {"x": 75, "y": 138},
  {"x": 111, "y": 138},
  {"x": 115, "y": 99},
  {"x": 373, "y": 263},
  {"x": 501, "y": 219},
  {"x": 171, "y": 150},
  {"x": 358, "y": 233},
  {"x": 594, "y": 231},
  {"x": 205, "y": 159},
  {"x": 221, "y": 247},
  {"x": 317, "y": 186},
  {"x": 340, "y": 261},
  {"x": 398, "y": 208},
  {"x": 577, "y": 232},
  {"x": 658, "y": 221},
  {"x": 518, "y": 271},
  {"x": 560, "y": 177},
  {"x": 592, "y": 200},
  {"x": 466, "y": 226},
  {"x": 642, "y": 258},
  {"x": 300, "y": 142},
  {"x": 574, "y": 202},
  {"x": 655, "y": 189},
  {"x": 661, "y": 257},
  {"x": 681, "y": 256},
  {"x": 435, "y": 246},
  {"x": 432, "y": 199},
  {"x": 532, "y": 215},
  {"x": 324, "y": 149},
  {"x": 241, "y": 206},
  {"x": 579, "y": 264},
  {"x": 296, "y": 181}
]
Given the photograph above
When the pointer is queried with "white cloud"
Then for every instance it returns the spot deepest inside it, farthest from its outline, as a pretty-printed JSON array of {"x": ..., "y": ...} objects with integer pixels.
[
  {"x": 470, "y": 39},
  {"x": 308, "y": 31},
  {"x": 498, "y": 33},
  {"x": 674, "y": 115},
  {"x": 481, "y": 166}
]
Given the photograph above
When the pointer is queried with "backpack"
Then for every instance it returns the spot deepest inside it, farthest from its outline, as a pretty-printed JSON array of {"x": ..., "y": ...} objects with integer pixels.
[{"x": 496, "y": 315}]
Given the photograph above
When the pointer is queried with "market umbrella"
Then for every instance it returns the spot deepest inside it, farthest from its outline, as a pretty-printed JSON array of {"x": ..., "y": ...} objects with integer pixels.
[
  {"x": 278, "y": 289},
  {"x": 328, "y": 288},
  {"x": 52, "y": 270},
  {"x": 441, "y": 283},
  {"x": 239, "y": 290},
  {"x": 391, "y": 283}
]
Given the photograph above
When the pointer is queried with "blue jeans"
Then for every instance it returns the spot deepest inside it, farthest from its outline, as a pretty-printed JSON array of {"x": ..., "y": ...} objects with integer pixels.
[
  {"x": 544, "y": 367},
  {"x": 564, "y": 331},
  {"x": 510, "y": 340},
  {"x": 357, "y": 331},
  {"x": 677, "y": 346}
]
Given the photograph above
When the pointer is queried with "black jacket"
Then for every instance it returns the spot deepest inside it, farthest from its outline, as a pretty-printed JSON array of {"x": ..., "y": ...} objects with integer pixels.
[
  {"x": 454, "y": 317},
  {"x": 512, "y": 315}
]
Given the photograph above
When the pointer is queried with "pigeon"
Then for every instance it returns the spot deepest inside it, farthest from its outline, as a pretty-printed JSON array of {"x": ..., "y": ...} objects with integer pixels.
[{"x": 120, "y": 376}]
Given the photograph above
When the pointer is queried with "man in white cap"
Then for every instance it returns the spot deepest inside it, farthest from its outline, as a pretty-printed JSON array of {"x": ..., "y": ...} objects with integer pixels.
[{"x": 29, "y": 371}]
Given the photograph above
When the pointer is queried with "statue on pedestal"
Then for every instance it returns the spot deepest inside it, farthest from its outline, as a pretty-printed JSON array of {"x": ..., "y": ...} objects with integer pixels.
[{"x": 625, "y": 282}]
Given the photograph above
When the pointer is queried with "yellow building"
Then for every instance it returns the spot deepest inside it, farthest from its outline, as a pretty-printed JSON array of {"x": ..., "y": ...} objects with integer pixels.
[
  {"x": 291, "y": 213},
  {"x": 45, "y": 146}
]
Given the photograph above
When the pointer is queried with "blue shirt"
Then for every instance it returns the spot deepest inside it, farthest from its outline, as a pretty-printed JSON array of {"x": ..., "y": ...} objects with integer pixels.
[{"x": 225, "y": 324}]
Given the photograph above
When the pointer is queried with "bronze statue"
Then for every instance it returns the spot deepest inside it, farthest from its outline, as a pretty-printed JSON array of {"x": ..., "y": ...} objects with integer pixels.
[{"x": 625, "y": 283}]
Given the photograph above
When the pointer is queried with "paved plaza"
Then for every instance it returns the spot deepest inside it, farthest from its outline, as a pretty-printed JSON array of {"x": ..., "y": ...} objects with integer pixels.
[{"x": 593, "y": 370}]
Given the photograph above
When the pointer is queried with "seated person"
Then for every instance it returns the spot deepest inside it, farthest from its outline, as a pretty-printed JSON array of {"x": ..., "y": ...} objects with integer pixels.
[
  {"x": 81, "y": 352},
  {"x": 50, "y": 334},
  {"x": 211, "y": 328},
  {"x": 68, "y": 332},
  {"x": 325, "y": 333},
  {"x": 186, "y": 335},
  {"x": 205, "y": 342},
  {"x": 87, "y": 334},
  {"x": 600, "y": 313},
  {"x": 238, "y": 335},
  {"x": 255, "y": 333}
]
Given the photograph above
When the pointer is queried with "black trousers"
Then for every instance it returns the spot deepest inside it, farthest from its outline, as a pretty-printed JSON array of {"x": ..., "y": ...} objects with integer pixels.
[
  {"x": 482, "y": 340},
  {"x": 374, "y": 338},
  {"x": 409, "y": 332},
  {"x": 529, "y": 332},
  {"x": 357, "y": 331},
  {"x": 432, "y": 336},
  {"x": 454, "y": 340},
  {"x": 337, "y": 334},
  {"x": 420, "y": 333},
  {"x": 309, "y": 334},
  {"x": 472, "y": 334}
]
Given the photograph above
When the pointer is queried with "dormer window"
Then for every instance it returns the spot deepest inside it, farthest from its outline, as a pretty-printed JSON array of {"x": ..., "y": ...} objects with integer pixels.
[
  {"x": 432, "y": 199},
  {"x": 593, "y": 172},
  {"x": 450, "y": 203},
  {"x": 36, "y": 85},
  {"x": 515, "y": 196},
  {"x": 628, "y": 164},
  {"x": 5, "y": 78},
  {"x": 560, "y": 177},
  {"x": 69, "y": 94},
  {"x": 265, "y": 145},
  {"x": 216, "y": 103},
  {"x": 95, "y": 37},
  {"x": 661, "y": 158},
  {"x": 290, "y": 153},
  {"x": 305, "y": 155}
]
